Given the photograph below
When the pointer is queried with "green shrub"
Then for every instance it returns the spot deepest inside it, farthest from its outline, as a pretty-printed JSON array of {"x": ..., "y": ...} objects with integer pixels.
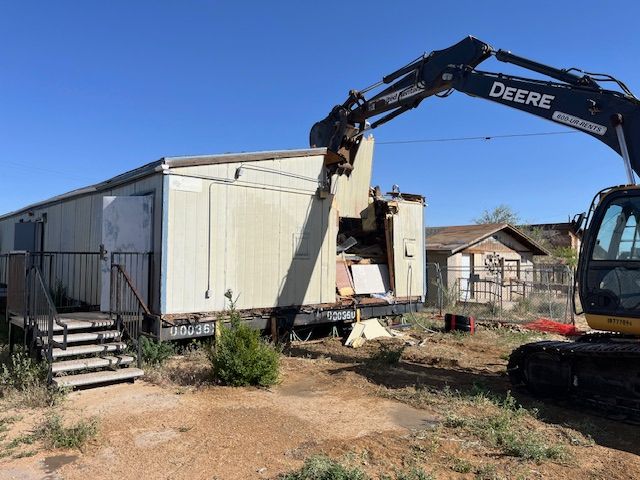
[
  {"x": 240, "y": 357},
  {"x": 323, "y": 468},
  {"x": 21, "y": 372},
  {"x": 23, "y": 382},
  {"x": 154, "y": 352}
]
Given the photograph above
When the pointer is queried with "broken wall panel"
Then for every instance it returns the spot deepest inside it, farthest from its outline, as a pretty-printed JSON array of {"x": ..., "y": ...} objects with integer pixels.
[{"x": 352, "y": 191}]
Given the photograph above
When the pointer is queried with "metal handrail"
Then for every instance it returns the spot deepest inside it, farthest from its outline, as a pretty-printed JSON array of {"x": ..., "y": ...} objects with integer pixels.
[
  {"x": 41, "y": 309},
  {"x": 73, "y": 277},
  {"x": 132, "y": 288},
  {"x": 38, "y": 292},
  {"x": 128, "y": 306}
]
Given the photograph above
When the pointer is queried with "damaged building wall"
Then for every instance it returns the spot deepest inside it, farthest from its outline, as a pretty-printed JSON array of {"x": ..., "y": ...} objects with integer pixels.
[
  {"x": 352, "y": 191},
  {"x": 409, "y": 249},
  {"x": 261, "y": 224},
  {"x": 259, "y": 229}
]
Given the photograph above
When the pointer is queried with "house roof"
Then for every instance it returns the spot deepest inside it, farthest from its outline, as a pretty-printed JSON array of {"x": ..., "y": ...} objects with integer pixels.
[
  {"x": 454, "y": 239},
  {"x": 559, "y": 227}
]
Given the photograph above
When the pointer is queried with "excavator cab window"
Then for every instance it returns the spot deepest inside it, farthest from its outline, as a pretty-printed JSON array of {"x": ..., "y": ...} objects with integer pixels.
[
  {"x": 613, "y": 265},
  {"x": 618, "y": 237}
]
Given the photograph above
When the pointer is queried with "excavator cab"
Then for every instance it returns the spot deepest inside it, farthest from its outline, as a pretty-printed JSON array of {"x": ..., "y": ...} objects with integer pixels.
[{"x": 609, "y": 269}]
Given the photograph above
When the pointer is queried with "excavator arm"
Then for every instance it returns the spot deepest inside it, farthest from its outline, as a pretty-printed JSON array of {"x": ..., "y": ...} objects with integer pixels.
[{"x": 574, "y": 100}]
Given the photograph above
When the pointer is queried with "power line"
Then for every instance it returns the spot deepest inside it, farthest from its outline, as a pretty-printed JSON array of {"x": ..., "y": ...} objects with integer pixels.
[
  {"x": 30, "y": 169},
  {"x": 484, "y": 137}
]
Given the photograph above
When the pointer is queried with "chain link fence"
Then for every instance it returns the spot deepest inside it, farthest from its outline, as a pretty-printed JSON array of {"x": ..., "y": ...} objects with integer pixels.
[{"x": 505, "y": 293}]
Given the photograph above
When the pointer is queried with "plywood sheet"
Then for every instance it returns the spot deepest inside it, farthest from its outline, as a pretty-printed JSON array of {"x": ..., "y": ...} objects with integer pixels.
[
  {"x": 373, "y": 329},
  {"x": 344, "y": 283},
  {"x": 369, "y": 279}
]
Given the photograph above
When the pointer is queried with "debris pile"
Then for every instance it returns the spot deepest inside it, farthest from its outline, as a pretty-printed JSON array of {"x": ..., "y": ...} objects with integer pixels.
[
  {"x": 368, "y": 330},
  {"x": 365, "y": 252}
]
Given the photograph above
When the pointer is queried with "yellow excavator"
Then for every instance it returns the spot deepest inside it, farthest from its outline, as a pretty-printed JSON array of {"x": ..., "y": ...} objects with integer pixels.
[{"x": 600, "y": 368}]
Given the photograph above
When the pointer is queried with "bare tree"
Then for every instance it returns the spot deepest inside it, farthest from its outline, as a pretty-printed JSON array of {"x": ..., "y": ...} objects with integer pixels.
[{"x": 500, "y": 214}]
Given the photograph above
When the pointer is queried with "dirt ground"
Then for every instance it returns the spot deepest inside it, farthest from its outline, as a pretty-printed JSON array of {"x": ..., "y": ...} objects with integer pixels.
[{"x": 331, "y": 400}]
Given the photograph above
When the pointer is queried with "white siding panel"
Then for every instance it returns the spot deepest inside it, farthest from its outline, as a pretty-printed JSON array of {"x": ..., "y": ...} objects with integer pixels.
[
  {"x": 74, "y": 224},
  {"x": 408, "y": 249},
  {"x": 255, "y": 223},
  {"x": 82, "y": 225}
]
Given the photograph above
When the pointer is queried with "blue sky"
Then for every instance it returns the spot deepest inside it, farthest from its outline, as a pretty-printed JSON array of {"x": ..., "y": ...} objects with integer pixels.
[{"x": 89, "y": 89}]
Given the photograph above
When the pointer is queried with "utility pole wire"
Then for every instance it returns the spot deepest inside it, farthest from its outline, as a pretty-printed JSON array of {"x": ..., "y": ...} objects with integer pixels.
[{"x": 484, "y": 137}]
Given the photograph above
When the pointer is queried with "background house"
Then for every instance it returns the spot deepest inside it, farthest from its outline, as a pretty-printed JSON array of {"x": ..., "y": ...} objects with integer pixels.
[
  {"x": 559, "y": 235},
  {"x": 480, "y": 262}
]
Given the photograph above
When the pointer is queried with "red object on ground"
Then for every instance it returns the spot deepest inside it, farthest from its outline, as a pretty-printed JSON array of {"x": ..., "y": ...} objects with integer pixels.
[
  {"x": 547, "y": 325},
  {"x": 459, "y": 322}
]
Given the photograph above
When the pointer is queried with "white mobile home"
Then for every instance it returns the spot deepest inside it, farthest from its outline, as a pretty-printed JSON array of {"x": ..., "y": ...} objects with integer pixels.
[{"x": 265, "y": 226}]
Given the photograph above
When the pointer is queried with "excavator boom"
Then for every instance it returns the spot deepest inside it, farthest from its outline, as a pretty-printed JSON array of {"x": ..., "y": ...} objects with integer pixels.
[{"x": 576, "y": 101}]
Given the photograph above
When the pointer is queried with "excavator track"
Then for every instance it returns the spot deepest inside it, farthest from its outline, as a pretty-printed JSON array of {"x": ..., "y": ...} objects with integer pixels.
[{"x": 600, "y": 371}]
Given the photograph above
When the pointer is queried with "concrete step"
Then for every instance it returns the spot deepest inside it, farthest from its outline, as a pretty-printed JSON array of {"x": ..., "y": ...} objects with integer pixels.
[
  {"x": 76, "y": 324},
  {"x": 92, "y": 362},
  {"x": 87, "y": 349},
  {"x": 86, "y": 336},
  {"x": 97, "y": 377}
]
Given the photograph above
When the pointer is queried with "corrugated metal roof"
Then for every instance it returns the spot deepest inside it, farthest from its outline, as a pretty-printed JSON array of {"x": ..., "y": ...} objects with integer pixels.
[
  {"x": 166, "y": 163},
  {"x": 456, "y": 238}
]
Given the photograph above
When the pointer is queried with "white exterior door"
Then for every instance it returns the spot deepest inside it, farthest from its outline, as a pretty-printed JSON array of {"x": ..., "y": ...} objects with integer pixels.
[
  {"x": 126, "y": 227},
  {"x": 465, "y": 275}
]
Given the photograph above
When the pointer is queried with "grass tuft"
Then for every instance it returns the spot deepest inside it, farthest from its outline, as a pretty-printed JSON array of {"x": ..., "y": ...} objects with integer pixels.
[
  {"x": 55, "y": 435},
  {"x": 387, "y": 355},
  {"x": 461, "y": 465},
  {"x": 323, "y": 468},
  {"x": 414, "y": 473},
  {"x": 507, "y": 430},
  {"x": 499, "y": 421}
]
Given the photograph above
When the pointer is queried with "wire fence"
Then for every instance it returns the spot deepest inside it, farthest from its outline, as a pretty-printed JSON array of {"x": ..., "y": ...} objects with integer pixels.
[{"x": 506, "y": 293}]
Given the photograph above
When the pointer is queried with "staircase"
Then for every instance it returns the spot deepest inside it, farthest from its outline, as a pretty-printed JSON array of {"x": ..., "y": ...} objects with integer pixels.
[
  {"x": 94, "y": 354},
  {"x": 81, "y": 348}
]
